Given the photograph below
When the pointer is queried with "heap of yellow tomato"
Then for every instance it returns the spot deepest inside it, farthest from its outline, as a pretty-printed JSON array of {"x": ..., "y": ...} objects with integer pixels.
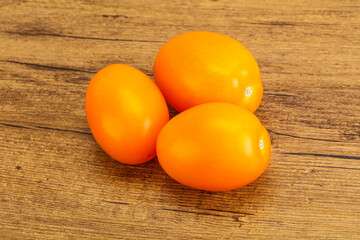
[{"x": 215, "y": 143}]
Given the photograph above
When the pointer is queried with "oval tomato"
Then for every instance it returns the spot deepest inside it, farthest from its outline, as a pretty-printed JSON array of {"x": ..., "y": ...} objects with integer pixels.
[
  {"x": 125, "y": 111},
  {"x": 200, "y": 67},
  {"x": 214, "y": 147}
]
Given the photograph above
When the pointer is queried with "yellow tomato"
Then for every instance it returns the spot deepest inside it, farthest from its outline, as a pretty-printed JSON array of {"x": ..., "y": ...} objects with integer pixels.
[
  {"x": 125, "y": 111},
  {"x": 201, "y": 67},
  {"x": 214, "y": 147}
]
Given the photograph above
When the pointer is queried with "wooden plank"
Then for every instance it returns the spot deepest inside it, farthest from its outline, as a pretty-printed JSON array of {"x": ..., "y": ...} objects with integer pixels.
[{"x": 56, "y": 182}]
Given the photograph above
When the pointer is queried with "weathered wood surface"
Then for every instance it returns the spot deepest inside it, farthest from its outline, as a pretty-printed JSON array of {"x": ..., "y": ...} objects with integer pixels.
[{"x": 55, "y": 181}]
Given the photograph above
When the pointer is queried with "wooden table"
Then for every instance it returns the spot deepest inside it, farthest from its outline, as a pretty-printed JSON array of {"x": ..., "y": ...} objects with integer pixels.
[{"x": 57, "y": 183}]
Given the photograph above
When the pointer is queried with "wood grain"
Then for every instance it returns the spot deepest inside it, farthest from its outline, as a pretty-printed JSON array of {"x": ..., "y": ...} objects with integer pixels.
[{"x": 56, "y": 182}]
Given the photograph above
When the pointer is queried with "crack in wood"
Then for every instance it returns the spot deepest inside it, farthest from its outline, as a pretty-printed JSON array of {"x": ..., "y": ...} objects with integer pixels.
[
  {"x": 226, "y": 211},
  {"x": 197, "y": 213},
  {"x": 308, "y": 138},
  {"x": 62, "y": 130},
  {"x": 322, "y": 155},
  {"x": 280, "y": 95},
  {"x": 274, "y": 23},
  {"x": 46, "y": 128},
  {"x": 87, "y": 38},
  {"x": 60, "y": 68},
  {"x": 114, "y": 16},
  {"x": 116, "y": 202},
  {"x": 12, "y": 125},
  {"x": 280, "y": 23},
  {"x": 48, "y": 67}
]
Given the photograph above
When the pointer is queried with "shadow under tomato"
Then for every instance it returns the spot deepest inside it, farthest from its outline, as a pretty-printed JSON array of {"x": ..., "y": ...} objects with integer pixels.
[
  {"x": 150, "y": 178},
  {"x": 228, "y": 201},
  {"x": 149, "y": 183}
]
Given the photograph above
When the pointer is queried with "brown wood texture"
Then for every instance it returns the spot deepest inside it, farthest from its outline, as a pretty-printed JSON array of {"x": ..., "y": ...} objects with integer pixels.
[{"x": 57, "y": 183}]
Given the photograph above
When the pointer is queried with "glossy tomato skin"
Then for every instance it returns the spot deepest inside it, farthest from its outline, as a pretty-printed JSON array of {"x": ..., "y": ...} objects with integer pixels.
[
  {"x": 214, "y": 147},
  {"x": 125, "y": 111},
  {"x": 199, "y": 67}
]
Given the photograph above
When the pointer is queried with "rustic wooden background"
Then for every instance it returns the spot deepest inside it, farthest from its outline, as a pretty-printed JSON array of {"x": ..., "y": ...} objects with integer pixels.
[{"x": 56, "y": 182}]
